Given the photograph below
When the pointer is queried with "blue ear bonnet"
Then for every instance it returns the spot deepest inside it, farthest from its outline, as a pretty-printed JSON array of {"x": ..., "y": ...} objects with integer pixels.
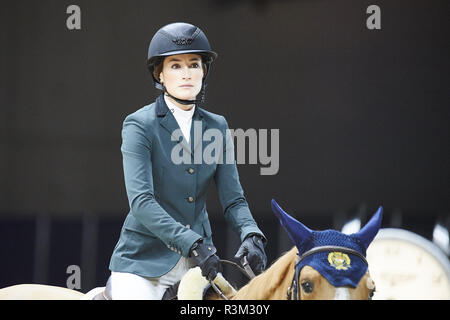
[{"x": 339, "y": 268}]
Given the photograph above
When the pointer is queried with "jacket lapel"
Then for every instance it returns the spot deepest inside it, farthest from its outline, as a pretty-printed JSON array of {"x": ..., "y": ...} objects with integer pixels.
[
  {"x": 198, "y": 127},
  {"x": 169, "y": 123}
]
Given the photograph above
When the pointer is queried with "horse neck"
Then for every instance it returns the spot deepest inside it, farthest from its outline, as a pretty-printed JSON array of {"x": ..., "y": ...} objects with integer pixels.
[{"x": 273, "y": 283}]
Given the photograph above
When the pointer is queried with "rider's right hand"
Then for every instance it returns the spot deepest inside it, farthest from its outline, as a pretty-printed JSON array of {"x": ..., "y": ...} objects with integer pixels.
[{"x": 205, "y": 257}]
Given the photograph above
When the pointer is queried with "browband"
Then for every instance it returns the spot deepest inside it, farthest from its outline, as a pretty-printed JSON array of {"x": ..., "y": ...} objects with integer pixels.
[
  {"x": 293, "y": 291},
  {"x": 331, "y": 248}
]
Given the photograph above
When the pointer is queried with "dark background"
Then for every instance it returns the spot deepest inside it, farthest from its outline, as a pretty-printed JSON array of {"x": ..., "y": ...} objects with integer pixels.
[{"x": 363, "y": 118}]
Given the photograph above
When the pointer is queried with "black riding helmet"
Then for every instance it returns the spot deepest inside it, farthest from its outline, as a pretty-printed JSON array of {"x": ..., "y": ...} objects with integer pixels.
[{"x": 179, "y": 38}]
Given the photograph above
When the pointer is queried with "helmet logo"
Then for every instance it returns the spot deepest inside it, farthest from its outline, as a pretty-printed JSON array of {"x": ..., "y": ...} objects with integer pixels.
[{"x": 183, "y": 41}]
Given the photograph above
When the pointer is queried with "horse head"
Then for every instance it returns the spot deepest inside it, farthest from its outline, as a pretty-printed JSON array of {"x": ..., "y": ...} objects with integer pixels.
[{"x": 330, "y": 264}]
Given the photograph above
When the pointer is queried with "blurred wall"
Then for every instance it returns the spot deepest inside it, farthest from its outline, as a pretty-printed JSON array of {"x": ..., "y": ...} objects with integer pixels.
[{"x": 363, "y": 114}]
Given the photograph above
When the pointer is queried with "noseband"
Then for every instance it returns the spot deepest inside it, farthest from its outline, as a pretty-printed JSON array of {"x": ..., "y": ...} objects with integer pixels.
[{"x": 293, "y": 292}]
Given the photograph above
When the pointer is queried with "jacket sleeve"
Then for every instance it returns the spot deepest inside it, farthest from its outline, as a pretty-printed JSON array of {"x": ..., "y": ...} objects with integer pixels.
[
  {"x": 137, "y": 165},
  {"x": 231, "y": 194}
]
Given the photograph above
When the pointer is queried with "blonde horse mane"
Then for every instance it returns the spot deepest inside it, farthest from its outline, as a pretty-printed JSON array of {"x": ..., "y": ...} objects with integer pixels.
[{"x": 272, "y": 283}]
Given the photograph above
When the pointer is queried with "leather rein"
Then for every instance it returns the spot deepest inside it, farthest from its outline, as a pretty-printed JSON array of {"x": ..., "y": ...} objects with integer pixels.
[{"x": 245, "y": 270}]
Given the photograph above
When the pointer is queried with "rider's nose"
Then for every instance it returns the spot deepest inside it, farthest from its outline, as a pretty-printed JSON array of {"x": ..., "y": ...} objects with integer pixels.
[{"x": 186, "y": 73}]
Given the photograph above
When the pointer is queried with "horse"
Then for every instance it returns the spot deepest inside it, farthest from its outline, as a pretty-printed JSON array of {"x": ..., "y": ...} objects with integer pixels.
[
  {"x": 39, "y": 292},
  {"x": 321, "y": 265},
  {"x": 274, "y": 284}
]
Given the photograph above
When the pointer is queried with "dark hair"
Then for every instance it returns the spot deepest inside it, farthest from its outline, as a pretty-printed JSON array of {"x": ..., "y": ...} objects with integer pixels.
[{"x": 158, "y": 68}]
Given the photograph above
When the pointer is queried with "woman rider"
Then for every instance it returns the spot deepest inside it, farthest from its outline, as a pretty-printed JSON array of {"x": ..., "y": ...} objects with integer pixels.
[{"x": 167, "y": 230}]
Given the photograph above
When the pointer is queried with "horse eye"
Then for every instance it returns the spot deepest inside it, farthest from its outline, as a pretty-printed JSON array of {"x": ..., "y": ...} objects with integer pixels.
[{"x": 308, "y": 286}]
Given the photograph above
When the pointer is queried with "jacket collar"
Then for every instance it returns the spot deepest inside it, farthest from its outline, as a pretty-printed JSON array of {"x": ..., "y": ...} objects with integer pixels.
[
  {"x": 168, "y": 121},
  {"x": 162, "y": 108}
]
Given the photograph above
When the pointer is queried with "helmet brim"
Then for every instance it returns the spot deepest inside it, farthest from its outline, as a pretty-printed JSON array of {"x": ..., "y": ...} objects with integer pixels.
[{"x": 211, "y": 54}]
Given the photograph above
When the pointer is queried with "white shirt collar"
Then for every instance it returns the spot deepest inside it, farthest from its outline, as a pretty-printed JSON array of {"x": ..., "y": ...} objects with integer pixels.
[{"x": 179, "y": 113}]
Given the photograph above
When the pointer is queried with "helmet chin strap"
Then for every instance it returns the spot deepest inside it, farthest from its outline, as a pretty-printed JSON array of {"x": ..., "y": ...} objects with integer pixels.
[
  {"x": 187, "y": 102},
  {"x": 181, "y": 101}
]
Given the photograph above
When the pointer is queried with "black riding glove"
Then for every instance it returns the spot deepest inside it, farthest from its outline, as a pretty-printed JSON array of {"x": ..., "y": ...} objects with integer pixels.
[
  {"x": 205, "y": 257},
  {"x": 253, "y": 248}
]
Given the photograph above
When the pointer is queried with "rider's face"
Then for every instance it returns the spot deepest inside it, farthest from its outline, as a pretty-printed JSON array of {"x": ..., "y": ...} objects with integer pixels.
[{"x": 182, "y": 75}]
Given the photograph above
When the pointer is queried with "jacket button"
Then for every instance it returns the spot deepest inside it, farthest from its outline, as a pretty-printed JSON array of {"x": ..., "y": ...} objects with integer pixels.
[
  {"x": 191, "y": 170},
  {"x": 191, "y": 199},
  {"x": 188, "y": 226}
]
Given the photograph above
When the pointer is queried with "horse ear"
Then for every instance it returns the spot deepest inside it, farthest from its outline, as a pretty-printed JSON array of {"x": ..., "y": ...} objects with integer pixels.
[
  {"x": 296, "y": 231},
  {"x": 370, "y": 230}
]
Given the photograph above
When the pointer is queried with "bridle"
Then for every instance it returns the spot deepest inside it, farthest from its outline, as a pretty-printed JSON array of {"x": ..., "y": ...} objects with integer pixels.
[{"x": 293, "y": 292}]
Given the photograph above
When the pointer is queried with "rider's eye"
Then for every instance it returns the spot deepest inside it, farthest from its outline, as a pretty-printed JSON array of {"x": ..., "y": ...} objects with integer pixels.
[{"x": 307, "y": 286}]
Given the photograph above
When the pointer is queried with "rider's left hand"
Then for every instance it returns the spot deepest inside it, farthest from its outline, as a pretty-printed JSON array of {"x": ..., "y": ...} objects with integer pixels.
[{"x": 253, "y": 248}]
